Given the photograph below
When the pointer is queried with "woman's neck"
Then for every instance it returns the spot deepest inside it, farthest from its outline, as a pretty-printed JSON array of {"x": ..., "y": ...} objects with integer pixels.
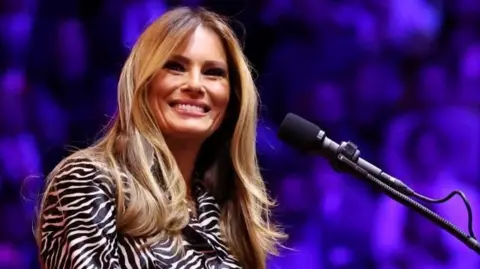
[{"x": 185, "y": 154}]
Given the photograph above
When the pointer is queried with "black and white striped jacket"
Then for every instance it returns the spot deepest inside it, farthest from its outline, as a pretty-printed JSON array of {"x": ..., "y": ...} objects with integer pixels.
[{"x": 79, "y": 228}]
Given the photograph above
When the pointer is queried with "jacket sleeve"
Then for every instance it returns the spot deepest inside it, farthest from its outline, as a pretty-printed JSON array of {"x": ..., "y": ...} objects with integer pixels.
[{"x": 78, "y": 221}]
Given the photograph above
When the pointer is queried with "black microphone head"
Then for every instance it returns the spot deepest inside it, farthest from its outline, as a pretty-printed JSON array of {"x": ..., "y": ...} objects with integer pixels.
[{"x": 298, "y": 132}]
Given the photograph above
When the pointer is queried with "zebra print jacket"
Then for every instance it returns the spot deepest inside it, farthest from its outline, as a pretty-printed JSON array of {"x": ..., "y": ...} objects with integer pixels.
[{"x": 79, "y": 229}]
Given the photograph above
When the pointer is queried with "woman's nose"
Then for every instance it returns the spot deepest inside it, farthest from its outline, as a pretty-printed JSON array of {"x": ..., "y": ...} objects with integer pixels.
[{"x": 195, "y": 81}]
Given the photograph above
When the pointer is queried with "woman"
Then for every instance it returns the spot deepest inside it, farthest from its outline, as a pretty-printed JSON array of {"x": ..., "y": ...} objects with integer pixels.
[{"x": 174, "y": 183}]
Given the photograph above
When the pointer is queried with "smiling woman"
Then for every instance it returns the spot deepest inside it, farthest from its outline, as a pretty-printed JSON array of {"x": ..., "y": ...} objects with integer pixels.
[
  {"x": 174, "y": 182},
  {"x": 190, "y": 94}
]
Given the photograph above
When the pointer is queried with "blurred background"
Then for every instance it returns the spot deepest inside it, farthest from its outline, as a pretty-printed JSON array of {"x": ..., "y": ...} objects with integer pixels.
[{"x": 400, "y": 78}]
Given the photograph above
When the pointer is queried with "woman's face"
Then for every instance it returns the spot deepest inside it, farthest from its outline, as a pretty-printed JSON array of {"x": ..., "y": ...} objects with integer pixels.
[{"x": 190, "y": 94}]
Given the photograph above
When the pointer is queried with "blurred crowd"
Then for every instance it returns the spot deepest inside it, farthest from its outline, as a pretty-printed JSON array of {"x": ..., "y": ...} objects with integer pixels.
[{"x": 400, "y": 78}]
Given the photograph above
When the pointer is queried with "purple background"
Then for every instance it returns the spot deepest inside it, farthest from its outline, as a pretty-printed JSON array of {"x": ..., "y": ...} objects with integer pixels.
[{"x": 401, "y": 78}]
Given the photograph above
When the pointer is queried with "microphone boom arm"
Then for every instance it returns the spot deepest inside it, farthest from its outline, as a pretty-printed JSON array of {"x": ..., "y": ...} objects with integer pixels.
[{"x": 344, "y": 160}]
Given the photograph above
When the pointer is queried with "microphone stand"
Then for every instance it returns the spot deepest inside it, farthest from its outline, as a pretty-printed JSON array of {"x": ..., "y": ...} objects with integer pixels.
[{"x": 345, "y": 160}]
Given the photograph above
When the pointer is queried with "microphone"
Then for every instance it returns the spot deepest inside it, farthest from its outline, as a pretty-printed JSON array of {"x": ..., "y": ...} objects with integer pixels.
[{"x": 308, "y": 137}]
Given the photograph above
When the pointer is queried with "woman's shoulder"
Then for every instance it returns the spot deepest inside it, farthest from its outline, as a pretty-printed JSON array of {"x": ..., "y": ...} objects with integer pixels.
[
  {"x": 83, "y": 158},
  {"x": 82, "y": 170},
  {"x": 78, "y": 215}
]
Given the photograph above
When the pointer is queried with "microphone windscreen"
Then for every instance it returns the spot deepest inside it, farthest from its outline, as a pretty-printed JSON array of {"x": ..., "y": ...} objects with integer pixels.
[{"x": 298, "y": 132}]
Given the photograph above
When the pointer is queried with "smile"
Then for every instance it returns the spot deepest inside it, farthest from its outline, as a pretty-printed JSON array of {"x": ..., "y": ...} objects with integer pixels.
[{"x": 190, "y": 107}]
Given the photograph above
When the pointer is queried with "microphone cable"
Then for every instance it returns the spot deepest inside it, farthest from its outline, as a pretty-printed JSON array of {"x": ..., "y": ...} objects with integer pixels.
[{"x": 446, "y": 199}]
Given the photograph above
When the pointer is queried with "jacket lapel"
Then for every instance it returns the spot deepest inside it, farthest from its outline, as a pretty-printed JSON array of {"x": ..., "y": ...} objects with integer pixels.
[{"x": 204, "y": 231}]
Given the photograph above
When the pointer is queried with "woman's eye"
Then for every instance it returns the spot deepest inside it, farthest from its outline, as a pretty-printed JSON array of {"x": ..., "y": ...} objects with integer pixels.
[
  {"x": 174, "y": 66},
  {"x": 216, "y": 72}
]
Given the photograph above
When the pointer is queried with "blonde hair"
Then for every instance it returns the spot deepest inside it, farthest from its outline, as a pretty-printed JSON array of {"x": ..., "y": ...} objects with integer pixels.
[{"x": 156, "y": 210}]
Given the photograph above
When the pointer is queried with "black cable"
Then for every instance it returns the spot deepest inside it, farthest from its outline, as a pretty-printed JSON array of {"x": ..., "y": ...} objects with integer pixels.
[{"x": 448, "y": 197}]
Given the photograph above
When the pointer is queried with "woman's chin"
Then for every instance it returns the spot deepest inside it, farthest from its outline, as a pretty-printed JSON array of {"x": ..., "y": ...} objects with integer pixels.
[
  {"x": 189, "y": 132},
  {"x": 187, "y": 127}
]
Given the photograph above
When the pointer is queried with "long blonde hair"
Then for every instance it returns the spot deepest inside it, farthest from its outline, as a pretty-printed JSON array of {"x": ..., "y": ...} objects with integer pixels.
[{"x": 155, "y": 210}]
